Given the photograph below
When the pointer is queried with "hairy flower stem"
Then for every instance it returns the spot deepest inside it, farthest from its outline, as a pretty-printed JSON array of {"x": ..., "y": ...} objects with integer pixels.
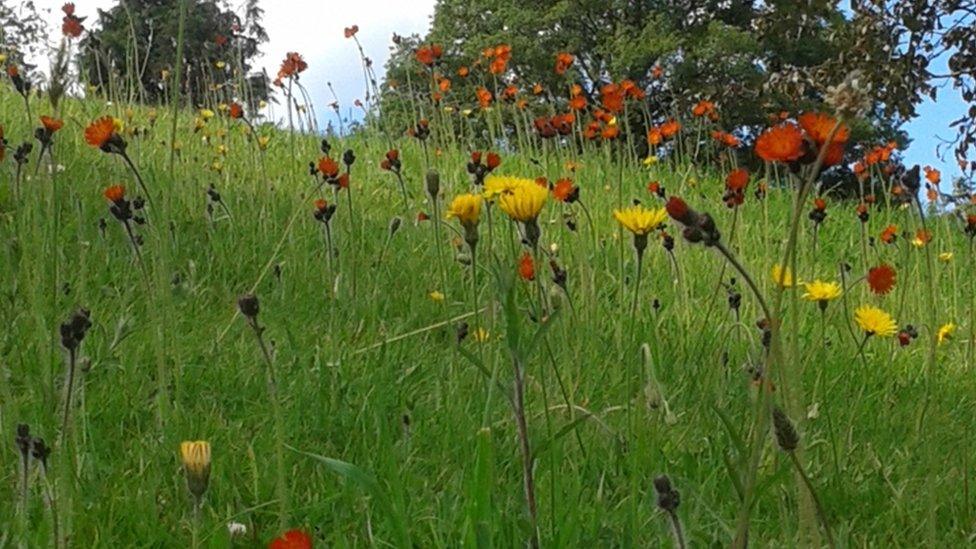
[
  {"x": 676, "y": 530},
  {"x": 175, "y": 88},
  {"x": 68, "y": 390},
  {"x": 138, "y": 176},
  {"x": 518, "y": 406},
  {"x": 281, "y": 486},
  {"x": 816, "y": 500}
]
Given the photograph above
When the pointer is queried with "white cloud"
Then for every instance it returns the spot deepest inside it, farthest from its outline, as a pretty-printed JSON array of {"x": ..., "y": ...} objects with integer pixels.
[{"x": 313, "y": 28}]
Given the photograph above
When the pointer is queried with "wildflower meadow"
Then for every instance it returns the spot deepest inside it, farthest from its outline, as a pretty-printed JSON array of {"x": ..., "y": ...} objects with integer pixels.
[{"x": 525, "y": 315}]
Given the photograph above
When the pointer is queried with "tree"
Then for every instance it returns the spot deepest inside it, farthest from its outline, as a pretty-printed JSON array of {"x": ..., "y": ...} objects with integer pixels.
[
  {"x": 22, "y": 31},
  {"x": 132, "y": 49}
]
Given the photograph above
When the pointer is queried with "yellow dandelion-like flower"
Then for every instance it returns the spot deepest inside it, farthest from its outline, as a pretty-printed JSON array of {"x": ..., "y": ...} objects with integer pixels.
[
  {"x": 650, "y": 160},
  {"x": 524, "y": 202},
  {"x": 263, "y": 142},
  {"x": 195, "y": 456},
  {"x": 118, "y": 124},
  {"x": 466, "y": 208},
  {"x": 821, "y": 291},
  {"x": 480, "y": 335},
  {"x": 640, "y": 220},
  {"x": 945, "y": 257},
  {"x": 875, "y": 321},
  {"x": 206, "y": 114},
  {"x": 945, "y": 333},
  {"x": 496, "y": 185},
  {"x": 783, "y": 277},
  {"x": 436, "y": 296}
]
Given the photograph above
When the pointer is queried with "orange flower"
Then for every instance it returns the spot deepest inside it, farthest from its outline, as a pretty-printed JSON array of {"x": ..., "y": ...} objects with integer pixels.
[
  {"x": 933, "y": 175},
  {"x": 819, "y": 125},
  {"x": 737, "y": 180},
  {"x": 444, "y": 85},
  {"x": 577, "y": 103},
  {"x": 101, "y": 134},
  {"x": 292, "y": 65},
  {"x": 610, "y": 132},
  {"x": 422, "y": 216},
  {"x": 537, "y": 89},
  {"x": 236, "y": 110},
  {"x": 349, "y": 32},
  {"x": 834, "y": 154},
  {"x": 292, "y": 539},
  {"x": 484, "y": 97},
  {"x": 563, "y": 62},
  {"x": 889, "y": 234},
  {"x": 881, "y": 279},
  {"x": 526, "y": 267},
  {"x": 328, "y": 167},
  {"x": 565, "y": 191},
  {"x": 114, "y": 194},
  {"x": 654, "y": 136},
  {"x": 321, "y": 204},
  {"x": 782, "y": 143},
  {"x": 51, "y": 124},
  {"x": 509, "y": 93},
  {"x": 670, "y": 128},
  {"x": 428, "y": 55},
  {"x": 703, "y": 107},
  {"x": 463, "y": 72},
  {"x": 612, "y": 97}
]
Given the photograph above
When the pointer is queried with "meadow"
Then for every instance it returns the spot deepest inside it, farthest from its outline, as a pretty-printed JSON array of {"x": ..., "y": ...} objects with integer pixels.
[{"x": 396, "y": 367}]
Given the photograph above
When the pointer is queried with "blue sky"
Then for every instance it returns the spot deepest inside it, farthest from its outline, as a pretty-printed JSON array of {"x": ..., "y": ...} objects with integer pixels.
[{"x": 317, "y": 33}]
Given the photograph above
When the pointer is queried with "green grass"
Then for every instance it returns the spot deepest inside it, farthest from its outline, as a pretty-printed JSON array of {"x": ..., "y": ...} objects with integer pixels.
[{"x": 426, "y": 452}]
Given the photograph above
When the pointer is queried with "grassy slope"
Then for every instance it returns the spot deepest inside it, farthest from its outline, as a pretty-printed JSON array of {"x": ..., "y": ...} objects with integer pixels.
[{"x": 878, "y": 477}]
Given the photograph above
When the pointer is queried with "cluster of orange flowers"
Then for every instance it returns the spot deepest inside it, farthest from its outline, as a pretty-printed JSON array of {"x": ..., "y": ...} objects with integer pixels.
[
  {"x": 561, "y": 124},
  {"x": 804, "y": 140},
  {"x": 71, "y": 24},
  {"x": 564, "y": 60},
  {"x": 499, "y": 57},
  {"x": 657, "y": 134},
  {"x": 429, "y": 55},
  {"x": 291, "y": 67},
  {"x": 877, "y": 155}
]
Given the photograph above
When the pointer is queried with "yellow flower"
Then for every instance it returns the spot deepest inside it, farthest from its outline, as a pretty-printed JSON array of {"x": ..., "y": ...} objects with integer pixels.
[
  {"x": 436, "y": 296},
  {"x": 821, "y": 292},
  {"x": 524, "y": 202},
  {"x": 945, "y": 333},
  {"x": 640, "y": 220},
  {"x": 496, "y": 185},
  {"x": 874, "y": 321},
  {"x": 220, "y": 64},
  {"x": 782, "y": 277},
  {"x": 945, "y": 257},
  {"x": 263, "y": 142},
  {"x": 650, "y": 160},
  {"x": 466, "y": 208},
  {"x": 196, "y": 462},
  {"x": 118, "y": 124},
  {"x": 206, "y": 114},
  {"x": 480, "y": 335},
  {"x": 467, "y": 112}
]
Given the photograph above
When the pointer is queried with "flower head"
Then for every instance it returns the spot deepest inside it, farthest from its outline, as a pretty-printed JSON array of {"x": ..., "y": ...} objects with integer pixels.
[
  {"x": 524, "y": 201},
  {"x": 114, "y": 194},
  {"x": 881, "y": 279},
  {"x": 818, "y": 126},
  {"x": 102, "y": 134},
  {"x": 564, "y": 191},
  {"x": 782, "y": 143},
  {"x": 783, "y": 277},
  {"x": 821, "y": 292},
  {"x": 51, "y": 124},
  {"x": 196, "y": 463},
  {"x": 526, "y": 267},
  {"x": 875, "y": 321},
  {"x": 945, "y": 332},
  {"x": 292, "y": 539},
  {"x": 466, "y": 208},
  {"x": 640, "y": 220}
]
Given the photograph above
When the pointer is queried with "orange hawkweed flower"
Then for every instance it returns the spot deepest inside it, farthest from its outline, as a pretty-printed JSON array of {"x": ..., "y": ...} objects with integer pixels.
[
  {"x": 349, "y": 32},
  {"x": 737, "y": 180},
  {"x": 670, "y": 128},
  {"x": 782, "y": 143},
  {"x": 819, "y": 125},
  {"x": 577, "y": 103},
  {"x": 563, "y": 61},
  {"x": 703, "y": 107},
  {"x": 526, "y": 267},
  {"x": 101, "y": 134},
  {"x": 428, "y": 55},
  {"x": 484, "y": 97},
  {"x": 463, "y": 72},
  {"x": 654, "y": 136},
  {"x": 889, "y": 234},
  {"x": 933, "y": 175},
  {"x": 114, "y": 193},
  {"x": 612, "y": 97},
  {"x": 292, "y": 539},
  {"x": 236, "y": 110},
  {"x": 881, "y": 279},
  {"x": 328, "y": 167},
  {"x": 292, "y": 65},
  {"x": 565, "y": 191},
  {"x": 51, "y": 124}
]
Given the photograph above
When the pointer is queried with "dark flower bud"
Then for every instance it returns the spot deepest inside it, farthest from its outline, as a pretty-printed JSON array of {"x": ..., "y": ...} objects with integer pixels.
[
  {"x": 786, "y": 435},
  {"x": 668, "y": 498},
  {"x": 348, "y": 157},
  {"x": 433, "y": 183},
  {"x": 325, "y": 146},
  {"x": 462, "y": 332},
  {"x": 249, "y": 306},
  {"x": 40, "y": 451}
]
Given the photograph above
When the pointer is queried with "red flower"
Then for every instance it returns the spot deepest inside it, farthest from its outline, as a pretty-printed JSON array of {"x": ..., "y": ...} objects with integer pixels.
[
  {"x": 612, "y": 97},
  {"x": 526, "y": 267},
  {"x": 321, "y": 204},
  {"x": 819, "y": 204},
  {"x": 670, "y": 128},
  {"x": 783, "y": 143},
  {"x": 349, "y": 32},
  {"x": 68, "y": 9},
  {"x": 679, "y": 211},
  {"x": 292, "y": 539},
  {"x": 343, "y": 181},
  {"x": 889, "y": 234},
  {"x": 493, "y": 160},
  {"x": 292, "y": 65},
  {"x": 114, "y": 194},
  {"x": 881, "y": 279},
  {"x": 422, "y": 216},
  {"x": 428, "y": 55},
  {"x": 236, "y": 110}
]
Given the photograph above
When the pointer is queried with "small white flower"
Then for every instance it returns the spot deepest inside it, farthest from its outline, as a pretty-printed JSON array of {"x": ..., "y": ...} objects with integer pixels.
[{"x": 236, "y": 529}]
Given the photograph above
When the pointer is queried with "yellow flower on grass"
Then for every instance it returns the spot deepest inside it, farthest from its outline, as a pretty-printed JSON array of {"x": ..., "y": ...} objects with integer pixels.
[
  {"x": 436, "y": 296},
  {"x": 480, "y": 335},
  {"x": 640, "y": 220},
  {"x": 783, "y": 277},
  {"x": 650, "y": 160},
  {"x": 496, "y": 185},
  {"x": 874, "y": 321},
  {"x": 945, "y": 333},
  {"x": 821, "y": 291},
  {"x": 466, "y": 208},
  {"x": 524, "y": 202},
  {"x": 945, "y": 257},
  {"x": 263, "y": 142},
  {"x": 206, "y": 114},
  {"x": 195, "y": 456}
]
